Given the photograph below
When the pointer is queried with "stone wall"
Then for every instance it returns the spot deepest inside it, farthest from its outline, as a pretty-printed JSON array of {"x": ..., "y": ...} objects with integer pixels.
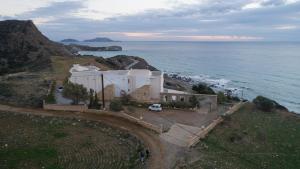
[
  {"x": 109, "y": 93},
  {"x": 142, "y": 94},
  {"x": 77, "y": 108},
  {"x": 209, "y": 101}
]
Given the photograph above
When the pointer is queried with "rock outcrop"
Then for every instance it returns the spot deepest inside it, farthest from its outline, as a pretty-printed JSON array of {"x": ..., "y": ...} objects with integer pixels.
[
  {"x": 24, "y": 47},
  {"x": 122, "y": 62}
]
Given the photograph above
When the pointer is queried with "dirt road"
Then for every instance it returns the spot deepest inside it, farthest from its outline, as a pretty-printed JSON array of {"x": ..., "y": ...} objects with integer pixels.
[{"x": 150, "y": 139}]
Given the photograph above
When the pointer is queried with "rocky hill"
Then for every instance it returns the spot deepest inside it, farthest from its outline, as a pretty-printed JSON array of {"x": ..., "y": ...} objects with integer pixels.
[
  {"x": 121, "y": 62},
  {"x": 23, "y": 47}
]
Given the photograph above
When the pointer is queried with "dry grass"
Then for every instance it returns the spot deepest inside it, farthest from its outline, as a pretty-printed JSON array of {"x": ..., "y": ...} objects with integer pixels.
[{"x": 61, "y": 65}]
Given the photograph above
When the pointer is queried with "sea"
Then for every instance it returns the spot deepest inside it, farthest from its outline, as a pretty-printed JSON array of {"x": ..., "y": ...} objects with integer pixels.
[{"x": 249, "y": 69}]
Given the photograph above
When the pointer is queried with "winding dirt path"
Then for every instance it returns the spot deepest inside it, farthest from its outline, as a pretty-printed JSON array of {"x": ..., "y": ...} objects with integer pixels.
[{"x": 150, "y": 139}]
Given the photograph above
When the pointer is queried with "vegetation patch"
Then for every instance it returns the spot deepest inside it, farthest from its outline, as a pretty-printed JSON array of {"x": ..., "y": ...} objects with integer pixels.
[
  {"x": 16, "y": 156},
  {"x": 202, "y": 88},
  {"x": 251, "y": 139},
  {"x": 31, "y": 142},
  {"x": 116, "y": 105}
]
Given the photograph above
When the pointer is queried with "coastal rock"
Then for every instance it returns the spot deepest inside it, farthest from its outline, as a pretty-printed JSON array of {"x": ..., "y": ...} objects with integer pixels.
[{"x": 23, "y": 47}]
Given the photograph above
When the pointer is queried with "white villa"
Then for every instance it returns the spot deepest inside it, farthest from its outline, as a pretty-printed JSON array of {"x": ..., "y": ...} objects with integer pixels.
[{"x": 141, "y": 84}]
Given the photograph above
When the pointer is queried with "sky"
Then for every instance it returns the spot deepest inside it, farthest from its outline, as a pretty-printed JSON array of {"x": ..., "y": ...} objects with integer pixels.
[{"x": 161, "y": 20}]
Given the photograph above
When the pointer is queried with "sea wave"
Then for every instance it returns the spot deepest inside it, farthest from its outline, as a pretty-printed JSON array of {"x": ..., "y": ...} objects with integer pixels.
[{"x": 217, "y": 84}]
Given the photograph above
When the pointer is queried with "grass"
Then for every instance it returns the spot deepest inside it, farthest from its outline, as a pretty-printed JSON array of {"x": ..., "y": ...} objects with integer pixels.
[
  {"x": 61, "y": 65},
  {"x": 252, "y": 139},
  {"x": 31, "y": 142},
  {"x": 41, "y": 154}
]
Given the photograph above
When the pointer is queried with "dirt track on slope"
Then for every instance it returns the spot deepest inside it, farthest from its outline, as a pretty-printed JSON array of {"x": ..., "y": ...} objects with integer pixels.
[{"x": 150, "y": 139}]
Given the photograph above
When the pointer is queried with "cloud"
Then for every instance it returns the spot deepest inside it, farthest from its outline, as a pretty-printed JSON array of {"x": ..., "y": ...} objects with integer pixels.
[
  {"x": 183, "y": 20},
  {"x": 286, "y": 27}
]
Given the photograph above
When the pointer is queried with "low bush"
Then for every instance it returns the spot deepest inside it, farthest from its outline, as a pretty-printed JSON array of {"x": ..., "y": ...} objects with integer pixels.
[
  {"x": 116, "y": 105},
  {"x": 221, "y": 98},
  {"x": 202, "y": 88},
  {"x": 264, "y": 104},
  {"x": 5, "y": 90},
  {"x": 178, "y": 104}
]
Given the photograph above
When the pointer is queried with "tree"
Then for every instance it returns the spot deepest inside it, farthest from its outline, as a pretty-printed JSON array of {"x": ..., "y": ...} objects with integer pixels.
[
  {"x": 125, "y": 98},
  {"x": 50, "y": 98},
  {"x": 96, "y": 104},
  {"x": 194, "y": 101},
  {"x": 221, "y": 98},
  {"x": 91, "y": 102},
  {"x": 202, "y": 88},
  {"x": 75, "y": 92}
]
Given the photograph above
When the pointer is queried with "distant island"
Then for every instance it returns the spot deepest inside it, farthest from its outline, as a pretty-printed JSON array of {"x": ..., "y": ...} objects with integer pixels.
[
  {"x": 98, "y": 39},
  {"x": 75, "y": 48},
  {"x": 69, "y": 40}
]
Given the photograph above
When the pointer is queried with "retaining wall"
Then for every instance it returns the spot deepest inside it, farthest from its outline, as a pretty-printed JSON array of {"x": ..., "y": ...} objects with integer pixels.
[{"x": 77, "y": 108}]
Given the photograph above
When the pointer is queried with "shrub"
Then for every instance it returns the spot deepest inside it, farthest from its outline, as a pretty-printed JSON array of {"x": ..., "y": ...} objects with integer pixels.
[
  {"x": 221, "y": 98},
  {"x": 50, "y": 98},
  {"x": 116, "y": 105},
  {"x": 125, "y": 98},
  {"x": 178, "y": 104},
  {"x": 5, "y": 90},
  {"x": 202, "y": 88},
  {"x": 75, "y": 92},
  {"x": 264, "y": 104},
  {"x": 194, "y": 101}
]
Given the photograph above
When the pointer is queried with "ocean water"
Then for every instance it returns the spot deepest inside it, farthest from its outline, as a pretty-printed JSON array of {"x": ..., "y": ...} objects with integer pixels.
[{"x": 271, "y": 69}]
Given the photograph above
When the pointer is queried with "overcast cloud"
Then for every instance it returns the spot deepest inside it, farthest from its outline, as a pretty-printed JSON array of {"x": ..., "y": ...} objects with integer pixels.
[{"x": 269, "y": 20}]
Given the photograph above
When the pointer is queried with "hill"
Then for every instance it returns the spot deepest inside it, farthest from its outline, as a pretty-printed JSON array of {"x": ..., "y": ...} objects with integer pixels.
[
  {"x": 99, "y": 39},
  {"x": 23, "y": 47},
  {"x": 120, "y": 62}
]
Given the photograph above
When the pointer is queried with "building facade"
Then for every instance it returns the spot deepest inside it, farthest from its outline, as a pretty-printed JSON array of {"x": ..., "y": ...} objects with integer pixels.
[{"x": 141, "y": 84}]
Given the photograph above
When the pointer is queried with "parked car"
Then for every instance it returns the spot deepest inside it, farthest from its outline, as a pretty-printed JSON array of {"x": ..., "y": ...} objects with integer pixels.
[
  {"x": 60, "y": 89},
  {"x": 155, "y": 107}
]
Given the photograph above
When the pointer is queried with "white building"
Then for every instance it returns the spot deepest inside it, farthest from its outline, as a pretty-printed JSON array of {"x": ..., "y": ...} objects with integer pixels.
[{"x": 141, "y": 84}]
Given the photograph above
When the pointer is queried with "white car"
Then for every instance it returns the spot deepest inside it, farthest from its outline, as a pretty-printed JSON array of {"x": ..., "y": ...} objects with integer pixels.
[
  {"x": 60, "y": 89},
  {"x": 155, "y": 107}
]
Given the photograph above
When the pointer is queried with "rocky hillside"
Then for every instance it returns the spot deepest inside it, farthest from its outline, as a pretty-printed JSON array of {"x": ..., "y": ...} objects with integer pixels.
[
  {"x": 24, "y": 47},
  {"x": 121, "y": 62}
]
